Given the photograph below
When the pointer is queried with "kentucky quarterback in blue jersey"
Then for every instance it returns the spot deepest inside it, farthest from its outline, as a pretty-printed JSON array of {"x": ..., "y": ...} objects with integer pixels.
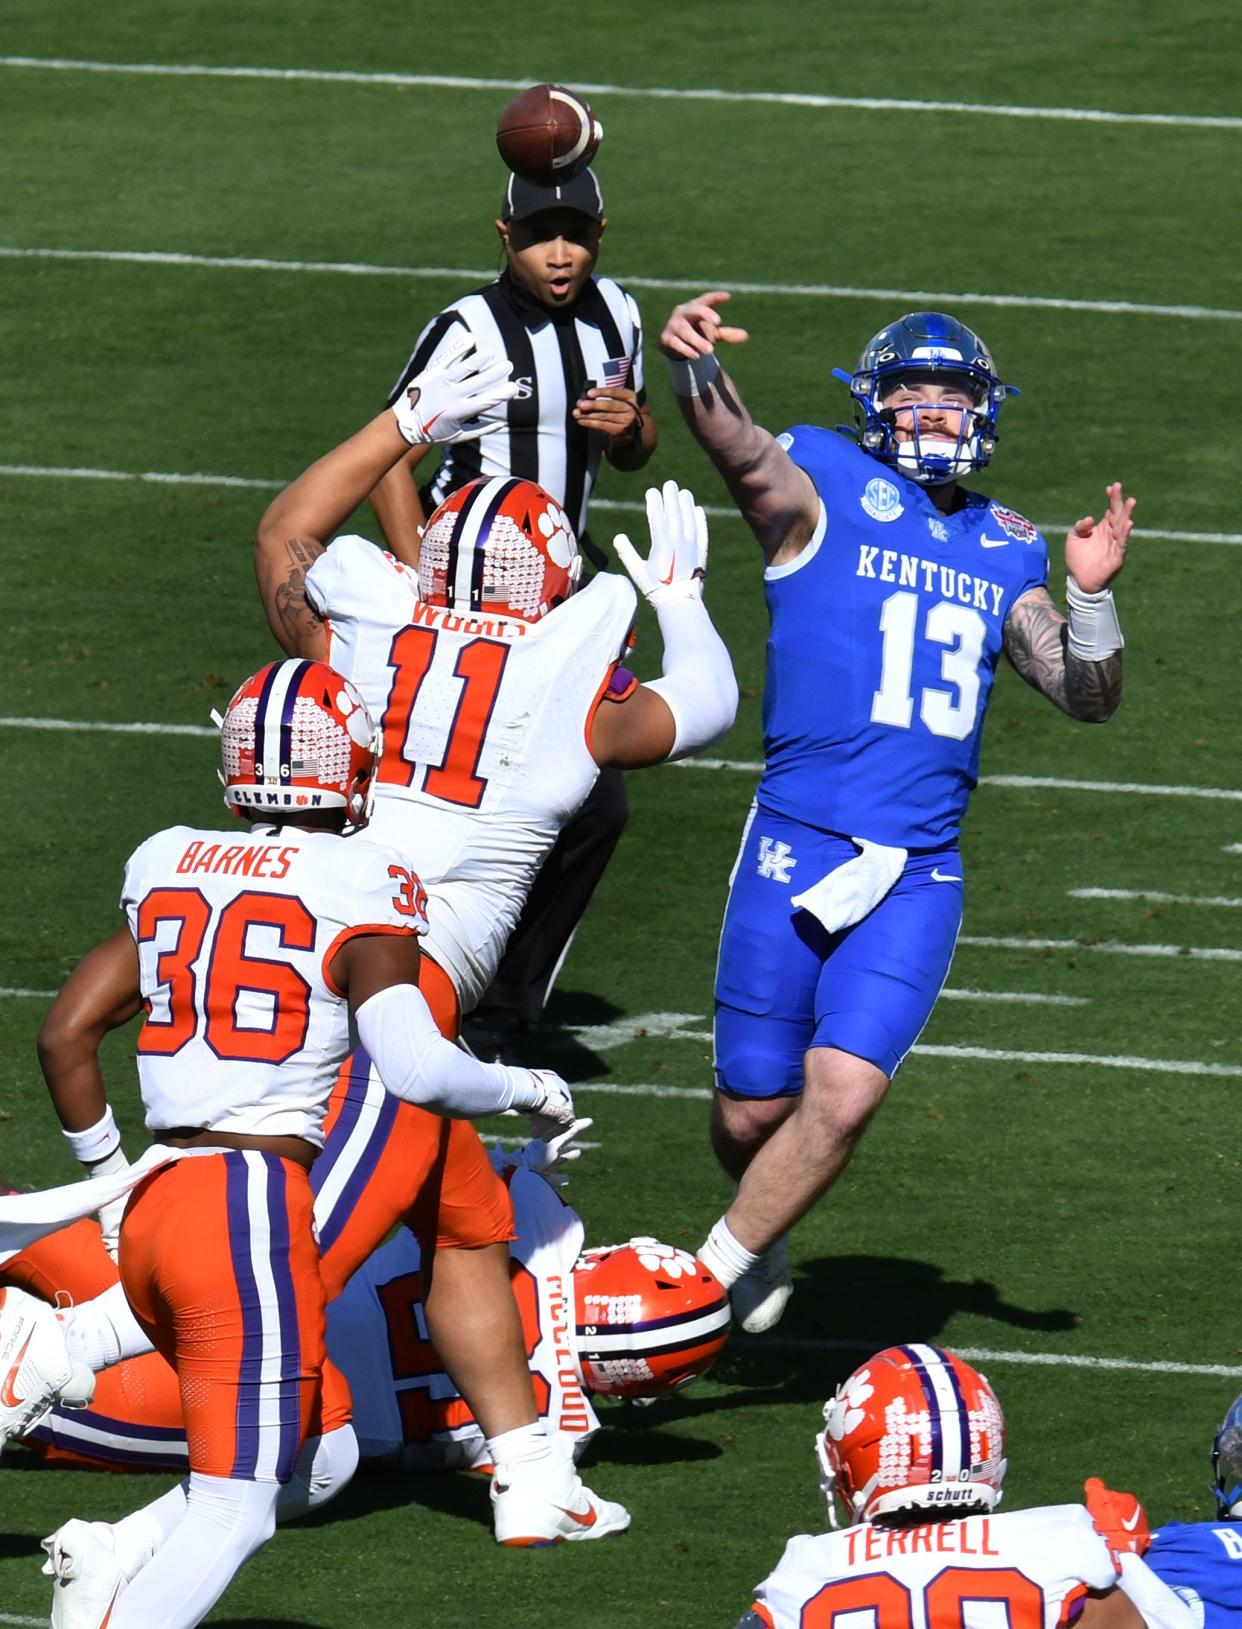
[{"x": 892, "y": 591}]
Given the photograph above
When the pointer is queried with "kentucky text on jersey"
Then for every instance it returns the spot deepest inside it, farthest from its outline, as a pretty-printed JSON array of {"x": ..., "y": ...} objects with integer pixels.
[{"x": 906, "y": 570}]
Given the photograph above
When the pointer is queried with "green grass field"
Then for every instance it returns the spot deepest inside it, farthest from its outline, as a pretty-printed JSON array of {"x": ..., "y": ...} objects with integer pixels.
[{"x": 1060, "y": 1215}]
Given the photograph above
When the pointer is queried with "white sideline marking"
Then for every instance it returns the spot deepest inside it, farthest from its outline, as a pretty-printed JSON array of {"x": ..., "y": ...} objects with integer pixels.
[
  {"x": 1155, "y": 895},
  {"x": 742, "y": 765},
  {"x": 618, "y": 505},
  {"x": 343, "y": 76},
  {"x": 985, "y": 1354},
  {"x": 1023, "y": 996},
  {"x": 653, "y": 1025},
  {"x": 1104, "y": 947},
  {"x": 678, "y": 285},
  {"x": 1159, "y": 1066}
]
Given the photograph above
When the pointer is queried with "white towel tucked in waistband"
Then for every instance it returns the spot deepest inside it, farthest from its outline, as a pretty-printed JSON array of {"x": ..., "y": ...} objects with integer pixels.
[
  {"x": 26, "y": 1217},
  {"x": 853, "y": 889}
]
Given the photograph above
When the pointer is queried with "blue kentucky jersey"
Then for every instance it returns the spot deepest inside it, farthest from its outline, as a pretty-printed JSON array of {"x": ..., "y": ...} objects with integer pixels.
[
  {"x": 1202, "y": 1562},
  {"x": 885, "y": 636}
]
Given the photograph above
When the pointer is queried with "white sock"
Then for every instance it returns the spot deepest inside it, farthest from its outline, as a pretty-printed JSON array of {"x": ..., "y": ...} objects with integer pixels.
[
  {"x": 136, "y": 1538},
  {"x": 526, "y": 1448},
  {"x": 722, "y": 1253},
  {"x": 103, "y": 1331}
]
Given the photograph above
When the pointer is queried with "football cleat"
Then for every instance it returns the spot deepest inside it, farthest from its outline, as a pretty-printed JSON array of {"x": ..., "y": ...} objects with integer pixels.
[
  {"x": 296, "y": 737},
  {"x": 501, "y": 547},
  {"x": 1227, "y": 1463},
  {"x": 929, "y": 347},
  {"x": 914, "y": 1429},
  {"x": 535, "y": 1509},
  {"x": 649, "y": 1318},
  {"x": 760, "y": 1296},
  {"x": 36, "y": 1370},
  {"x": 81, "y": 1560}
]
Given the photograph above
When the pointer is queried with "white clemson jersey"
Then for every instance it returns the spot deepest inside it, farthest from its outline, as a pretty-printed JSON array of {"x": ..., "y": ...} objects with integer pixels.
[
  {"x": 1029, "y": 1567},
  {"x": 485, "y": 723},
  {"x": 405, "y": 1407},
  {"x": 244, "y": 1026}
]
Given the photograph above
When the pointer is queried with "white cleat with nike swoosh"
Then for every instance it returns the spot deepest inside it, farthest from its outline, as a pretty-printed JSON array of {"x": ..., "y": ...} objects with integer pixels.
[
  {"x": 537, "y": 1509},
  {"x": 88, "y": 1581},
  {"x": 36, "y": 1370}
]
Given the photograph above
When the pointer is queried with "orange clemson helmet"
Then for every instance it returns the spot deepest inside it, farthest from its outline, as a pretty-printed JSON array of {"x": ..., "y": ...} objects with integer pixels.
[
  {"x": 649, "y": 1318},
  {"x": 914, "y": 1429},
  {"x": 502, "y": 547},
  {"x": 297, "y": 736}
]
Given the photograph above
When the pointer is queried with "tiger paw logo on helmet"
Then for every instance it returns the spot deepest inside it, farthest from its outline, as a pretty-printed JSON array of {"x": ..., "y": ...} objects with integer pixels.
[
  {"x": 502, "y": 548},
  {"x": 649, "y": 1318},
  {"x": 914, "y": 1429}
]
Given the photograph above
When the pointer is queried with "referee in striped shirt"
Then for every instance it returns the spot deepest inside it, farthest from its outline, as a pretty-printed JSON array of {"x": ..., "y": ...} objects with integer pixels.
[{"x": 575, "y": 343}]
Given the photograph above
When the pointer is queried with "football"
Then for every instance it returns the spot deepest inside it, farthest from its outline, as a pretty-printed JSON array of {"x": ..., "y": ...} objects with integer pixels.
[{"x": 548, "y": 132}]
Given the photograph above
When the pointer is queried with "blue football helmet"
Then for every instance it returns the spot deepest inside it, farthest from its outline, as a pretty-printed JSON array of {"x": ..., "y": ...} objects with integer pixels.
[
  {"x": 1227, "y": 1463},
  {"x": 923, "y": 346}
]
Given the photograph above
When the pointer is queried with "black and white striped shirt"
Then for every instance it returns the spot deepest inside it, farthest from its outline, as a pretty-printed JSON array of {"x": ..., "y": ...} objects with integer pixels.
[{"x": 556, "y": 356}]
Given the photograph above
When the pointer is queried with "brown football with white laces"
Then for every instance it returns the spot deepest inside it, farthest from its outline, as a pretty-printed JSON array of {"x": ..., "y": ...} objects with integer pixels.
[{"x": 548, "y": 133}]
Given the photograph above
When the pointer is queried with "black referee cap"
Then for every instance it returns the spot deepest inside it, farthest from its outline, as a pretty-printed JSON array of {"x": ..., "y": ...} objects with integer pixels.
[{"x": 581, "y": 192}]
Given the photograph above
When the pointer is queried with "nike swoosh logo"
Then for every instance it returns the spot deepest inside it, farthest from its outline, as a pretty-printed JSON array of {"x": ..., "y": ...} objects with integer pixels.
[
  {"x": 1132, "y": 1523},
  {"x": 8, "y": 1396},
  {"x": 993, "y": 542},
  {"x": 583, "y": 1521},
  {"x": 666, "y": 581},
  {"x": 938, "y": 876}
]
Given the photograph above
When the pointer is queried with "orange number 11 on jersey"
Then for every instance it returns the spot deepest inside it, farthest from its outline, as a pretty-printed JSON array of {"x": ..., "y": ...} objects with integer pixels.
[{"x": 480, "y": 665}]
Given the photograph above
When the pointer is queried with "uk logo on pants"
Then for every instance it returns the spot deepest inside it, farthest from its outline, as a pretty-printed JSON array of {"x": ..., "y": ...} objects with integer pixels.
[{"x": 776, "y": 860}]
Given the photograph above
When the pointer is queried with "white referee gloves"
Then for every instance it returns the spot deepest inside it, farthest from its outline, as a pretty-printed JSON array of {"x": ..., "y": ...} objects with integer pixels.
[
  {"x": 447, "y": 401},
  {"x": 677, "y": 565}
]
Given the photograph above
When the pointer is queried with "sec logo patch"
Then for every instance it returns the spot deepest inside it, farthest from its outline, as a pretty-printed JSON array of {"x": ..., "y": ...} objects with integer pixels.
[{"x": 882, "y": 501}]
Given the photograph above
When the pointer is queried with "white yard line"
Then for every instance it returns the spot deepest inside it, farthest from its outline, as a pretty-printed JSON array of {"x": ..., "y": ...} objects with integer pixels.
[
  {"x": 745, "y": 766},
  {"x": 34, "y": 995},
  {"x": 677, "y": 285},
  {"x": 63, "y": 472},
  {"x": 1025, "y": 997},
  {"x": 15, "y": 1617},
  {"x": 1232, "y": 848},
  {"x": 1104, "y": 947},
  {"x": 1155, "y": 895},
  {"x": 1156, "y": 1066},
  {"x": 674, "y": 93},
  {"x": 987, "y": 1354}
]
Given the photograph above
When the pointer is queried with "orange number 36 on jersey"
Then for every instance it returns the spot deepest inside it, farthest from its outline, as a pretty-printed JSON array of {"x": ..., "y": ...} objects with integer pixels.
[{"x": 212, "y": 992}]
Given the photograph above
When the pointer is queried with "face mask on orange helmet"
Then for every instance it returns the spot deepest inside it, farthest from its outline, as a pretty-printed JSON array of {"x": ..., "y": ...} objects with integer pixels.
[
  {"x": 915, "y": 1429},
  {"x": 502, "y": 547},
  {"x": 649, "y": 1318},
  {"x": 297, "y": 737}
]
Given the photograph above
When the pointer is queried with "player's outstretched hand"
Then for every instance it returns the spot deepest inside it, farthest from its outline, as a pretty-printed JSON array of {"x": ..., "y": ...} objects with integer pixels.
[
  {"x": 695, "y": 329},
  {"x": 445, "y": 402},
  {"x": 553, "y": 1109},
  {"x": 1095, "y": 550},
  {"x": 548, "y": 1156},
  {"x": 676, "y": 568},
  {"x": 1119, "y": 1518}
]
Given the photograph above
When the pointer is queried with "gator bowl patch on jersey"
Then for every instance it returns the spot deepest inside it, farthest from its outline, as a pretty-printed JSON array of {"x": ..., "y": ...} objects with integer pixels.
[
  {"x": 882, "y": 501},
  {"x": 1016, "y": 525}
]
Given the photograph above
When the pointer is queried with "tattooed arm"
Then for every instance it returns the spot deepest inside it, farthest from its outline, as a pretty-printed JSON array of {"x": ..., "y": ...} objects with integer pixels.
[
  {"x": 281, "y": 565},
  {"x": 1036, "y": 642}
]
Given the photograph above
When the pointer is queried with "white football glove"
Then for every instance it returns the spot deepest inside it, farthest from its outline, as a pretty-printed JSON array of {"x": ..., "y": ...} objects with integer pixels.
[
  {"x": 677, "y": 565},
  {"x": 547, "y": 1156},
  {"x": 445, "y": 402},
  {"x": 552, "y": 1112}
]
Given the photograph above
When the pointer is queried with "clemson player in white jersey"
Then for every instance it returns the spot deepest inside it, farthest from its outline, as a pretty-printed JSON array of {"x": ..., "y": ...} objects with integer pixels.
[
  {"x": 501, "y": 695},
  {"x": 913, "y": 1447},
  {"x": 634, "y": 1320},
  {"x": 254, "y": 959}
]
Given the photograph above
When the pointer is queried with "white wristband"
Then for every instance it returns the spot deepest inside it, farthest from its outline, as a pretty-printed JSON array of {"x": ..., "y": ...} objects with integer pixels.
[
  {"x": 689, "y": 378},
  {"x": 1094, "y": 632},
  {"x": 98, "y": 1141}
]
